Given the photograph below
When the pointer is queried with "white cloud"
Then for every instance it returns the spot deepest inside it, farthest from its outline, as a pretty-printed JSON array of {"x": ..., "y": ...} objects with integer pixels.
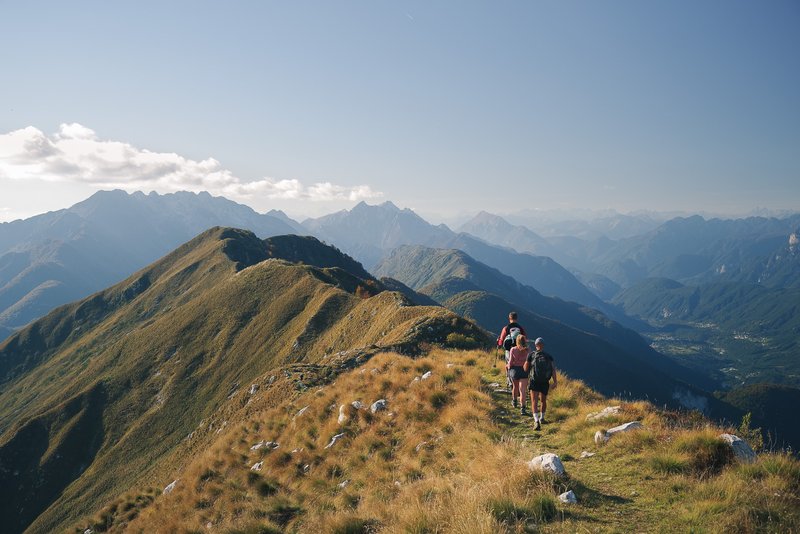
[{"x": 76, "y": 154}]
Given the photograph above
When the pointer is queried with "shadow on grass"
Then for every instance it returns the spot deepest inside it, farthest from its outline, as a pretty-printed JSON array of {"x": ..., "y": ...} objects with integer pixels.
[{"x": 590, "y": 497}]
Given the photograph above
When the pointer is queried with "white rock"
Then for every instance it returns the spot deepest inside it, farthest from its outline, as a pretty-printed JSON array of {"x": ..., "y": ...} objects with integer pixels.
[
  {"x": 605, "y": 413},
  {"x": 741, "y": 449},
  {"x": 335, "y": 438},
  {"x": 568, "y": 497},
  {"x": 253, "y": 389},
  {"x": 306, "y": 468},
  {"x": 257, "y": 466},
  {"x": 265, "y": 445},
  {"x": 342, "y": 414},
  {"x": 547, "y": 462},
  {"x": 633, "y": 425},
  {"x": 88, "y": 531},
  {"x": 416, "y": 379},
  {"x": 587, "y": 454},
  {"x": 343, "y": 484},
  {"x": 301, "y": 411},
  {"x": 357, "y": 405},
  {"x": 449, "y": 365},
  {"x": 602, "y": 436},
  {"x": 494, "y": 385},
  {"x": 427, "y": 375},
  {"x": 170, "y": 487},
  {"x": 378, "y": 405}
]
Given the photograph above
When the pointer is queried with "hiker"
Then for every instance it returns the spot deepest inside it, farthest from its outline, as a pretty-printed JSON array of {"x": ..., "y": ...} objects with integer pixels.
[
  {"x": 508, "y": 338},
  {"x": 518, "y": 356},
  {"x": 542, "y": 368}
]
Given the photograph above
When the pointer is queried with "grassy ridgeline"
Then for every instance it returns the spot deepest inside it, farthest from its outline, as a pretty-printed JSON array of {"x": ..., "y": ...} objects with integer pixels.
[
  {"x": 448, "y": 455},
  {"x": 112, "y": 392}
]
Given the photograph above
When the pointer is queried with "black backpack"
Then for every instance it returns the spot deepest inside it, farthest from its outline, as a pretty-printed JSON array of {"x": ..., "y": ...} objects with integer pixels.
[{"x": 542, "y": 367}]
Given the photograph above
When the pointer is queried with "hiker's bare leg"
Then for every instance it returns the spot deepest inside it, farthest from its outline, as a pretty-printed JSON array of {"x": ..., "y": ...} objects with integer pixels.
[
  {"x": 544, "y": 406},
  {"x": 523, "y": 386}
]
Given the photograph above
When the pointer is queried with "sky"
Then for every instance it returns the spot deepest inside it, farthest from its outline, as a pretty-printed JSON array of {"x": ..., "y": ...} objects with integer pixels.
[{"x": 443, "y": 107}]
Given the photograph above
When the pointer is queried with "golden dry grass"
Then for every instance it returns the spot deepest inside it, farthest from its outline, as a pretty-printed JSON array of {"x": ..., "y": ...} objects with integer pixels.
[{"x": 448, "y": 455}]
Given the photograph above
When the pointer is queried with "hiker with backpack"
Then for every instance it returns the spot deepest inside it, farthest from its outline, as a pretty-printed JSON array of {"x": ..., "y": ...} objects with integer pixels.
[
  {"x": 518, "y": 356},
  {"x": 541, "y": 368},
  {"x": 508, "y": 338}
]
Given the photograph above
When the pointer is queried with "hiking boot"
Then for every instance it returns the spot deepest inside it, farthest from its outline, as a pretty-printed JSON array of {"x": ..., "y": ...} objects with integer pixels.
[
  {"x": 514, "y": 403},
  {"x": 537, "y": 426}
]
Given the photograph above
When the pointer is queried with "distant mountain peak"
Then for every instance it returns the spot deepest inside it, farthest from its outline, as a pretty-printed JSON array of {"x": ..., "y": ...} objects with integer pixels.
[
  {"x": 486, "y": 218},
  {"x": 385, "y": 206}
]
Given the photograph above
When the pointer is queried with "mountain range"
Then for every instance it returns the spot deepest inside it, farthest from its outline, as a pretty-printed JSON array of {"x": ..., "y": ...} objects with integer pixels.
[
  {"x": 122, "y": 389},
  {"x": 694, "y": 250},
  {"x": 594, "y": 348},
  {"x": 116, "y": 389},
  {"x": 61, "y": 256},
  {"x": 368, "y": 233}
]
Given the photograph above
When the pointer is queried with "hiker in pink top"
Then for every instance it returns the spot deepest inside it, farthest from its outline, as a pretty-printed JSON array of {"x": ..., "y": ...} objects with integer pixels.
[{"x": 517, "y": 357}]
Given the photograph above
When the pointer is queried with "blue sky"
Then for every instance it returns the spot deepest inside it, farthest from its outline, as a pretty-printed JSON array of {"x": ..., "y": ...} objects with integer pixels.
[{"x": 444, "y": 107}]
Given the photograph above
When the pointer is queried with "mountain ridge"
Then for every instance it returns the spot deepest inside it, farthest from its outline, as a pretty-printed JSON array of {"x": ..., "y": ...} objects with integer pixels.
[
  {"x": 165, "y": 347},
  {"x": 61, "y": 256},
  {"x": 325, "y": 459}
]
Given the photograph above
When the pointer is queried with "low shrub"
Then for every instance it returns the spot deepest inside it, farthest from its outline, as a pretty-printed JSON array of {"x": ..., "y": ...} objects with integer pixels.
[{"x": 707, "y": 453}]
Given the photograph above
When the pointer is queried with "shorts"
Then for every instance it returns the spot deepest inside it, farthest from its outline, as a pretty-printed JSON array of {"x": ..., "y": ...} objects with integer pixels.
[
  {"x": 517, "y": 373},
  {"x": 541, "y": 387}
]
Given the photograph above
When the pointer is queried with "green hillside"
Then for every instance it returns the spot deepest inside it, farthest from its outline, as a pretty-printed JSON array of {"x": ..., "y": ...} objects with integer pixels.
[
  {"x": 447, "y": 455},
  {"x": 120, "y": 388},
  {"x": 745, "y": 332},
  {"x": 444, "y": 274}
]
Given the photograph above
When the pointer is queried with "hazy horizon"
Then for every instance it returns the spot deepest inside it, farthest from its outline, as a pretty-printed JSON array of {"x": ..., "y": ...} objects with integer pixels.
[
  {"x": 445, "y": 108},
  {"x": 547, "y": 215}
]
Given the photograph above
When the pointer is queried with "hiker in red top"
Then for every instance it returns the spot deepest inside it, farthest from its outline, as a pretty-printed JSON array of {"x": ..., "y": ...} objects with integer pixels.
[
  {"x": 508, "y": 331},
  {"x": 508, "y": 339}
]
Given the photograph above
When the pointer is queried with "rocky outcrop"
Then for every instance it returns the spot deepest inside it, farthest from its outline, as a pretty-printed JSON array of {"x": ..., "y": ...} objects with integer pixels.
[
  {"x": 602, "y": 436},
  {"x": 171, "y": 486},
  {"x": 547, "y": 462},
  {"x": 568, "y": 497},
  {"x": 378, "y": 406},
  {"x": 605, "y": 413},
  {"x": 741, "y": 450},
  {"x": 334, "y": 439}
]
